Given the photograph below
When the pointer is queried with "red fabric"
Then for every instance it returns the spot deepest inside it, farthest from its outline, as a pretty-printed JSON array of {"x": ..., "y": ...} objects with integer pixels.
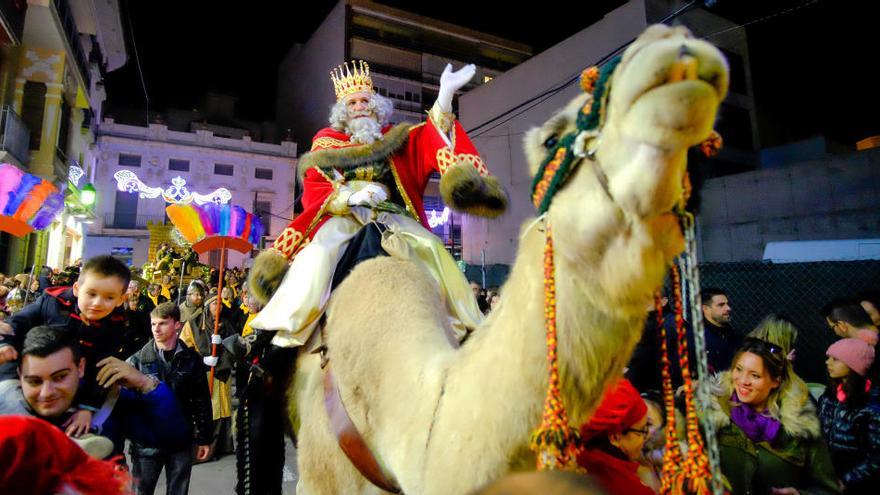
[
  {"x": 38, "y": 458},
  {"x": 615, "y": 475},
  {"x": 621, "y": 408},
  {"x": 414, "y": 162}
]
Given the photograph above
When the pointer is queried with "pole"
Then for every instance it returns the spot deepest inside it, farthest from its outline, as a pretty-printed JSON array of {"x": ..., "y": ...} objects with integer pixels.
[
  {"x": 483, "y": 265},
  {"x": 180, "y": 283},
  {"x": 30, "y": 282},
  {"x": 217, "y": 316}
]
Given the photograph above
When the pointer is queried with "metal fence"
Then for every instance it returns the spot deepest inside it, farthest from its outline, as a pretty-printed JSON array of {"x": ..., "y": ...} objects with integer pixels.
[
  {"x": 796, "y": 290},
  {"x": 756, "y": 289}
]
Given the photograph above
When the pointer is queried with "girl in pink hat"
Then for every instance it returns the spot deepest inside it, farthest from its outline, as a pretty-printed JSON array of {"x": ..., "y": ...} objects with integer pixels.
[{"x": 850, "y": 416}]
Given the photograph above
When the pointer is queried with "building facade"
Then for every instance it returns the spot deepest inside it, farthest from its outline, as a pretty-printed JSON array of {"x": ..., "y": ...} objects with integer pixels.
[
  {"x": 53, "y": 91},
  {"x": 138, "y": 167}
]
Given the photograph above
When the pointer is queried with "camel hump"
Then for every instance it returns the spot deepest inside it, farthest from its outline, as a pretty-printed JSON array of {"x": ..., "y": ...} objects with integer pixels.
[
  {"x": 385, "y": 299},
  {"x": 378, "y": 278}
]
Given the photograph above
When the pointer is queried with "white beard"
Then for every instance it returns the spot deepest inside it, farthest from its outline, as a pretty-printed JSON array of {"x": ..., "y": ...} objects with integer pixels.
[{"x": 363, "y": 130}]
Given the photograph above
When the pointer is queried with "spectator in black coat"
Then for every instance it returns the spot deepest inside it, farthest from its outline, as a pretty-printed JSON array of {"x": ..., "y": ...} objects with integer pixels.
[{"x": 173, "y": 362}]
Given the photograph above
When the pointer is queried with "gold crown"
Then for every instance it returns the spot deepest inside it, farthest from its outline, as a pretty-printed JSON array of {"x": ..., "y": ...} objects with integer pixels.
[{"x": 347, "y": 80}]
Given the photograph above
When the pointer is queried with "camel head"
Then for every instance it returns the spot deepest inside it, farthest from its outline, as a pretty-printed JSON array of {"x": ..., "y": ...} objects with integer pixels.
[{"x": 613, "y": 214}]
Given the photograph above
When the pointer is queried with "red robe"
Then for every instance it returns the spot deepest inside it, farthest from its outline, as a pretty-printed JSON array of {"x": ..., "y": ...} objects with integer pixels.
[{"x": 413, "y": 153}]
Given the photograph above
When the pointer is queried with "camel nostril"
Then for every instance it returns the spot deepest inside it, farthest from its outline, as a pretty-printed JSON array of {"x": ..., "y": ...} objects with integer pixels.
[{"x": 684, "y": 51}]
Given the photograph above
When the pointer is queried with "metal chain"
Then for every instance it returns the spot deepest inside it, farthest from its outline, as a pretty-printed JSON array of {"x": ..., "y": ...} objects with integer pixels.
[{"x": 691, "y": 287}]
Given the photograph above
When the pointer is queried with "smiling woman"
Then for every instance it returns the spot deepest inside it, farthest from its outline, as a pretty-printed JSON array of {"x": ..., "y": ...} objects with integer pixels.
[{"x": 768, "y": 433}]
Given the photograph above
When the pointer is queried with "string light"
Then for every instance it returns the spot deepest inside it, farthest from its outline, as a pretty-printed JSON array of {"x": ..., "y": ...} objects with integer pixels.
[{"x": 177, "y": 192}]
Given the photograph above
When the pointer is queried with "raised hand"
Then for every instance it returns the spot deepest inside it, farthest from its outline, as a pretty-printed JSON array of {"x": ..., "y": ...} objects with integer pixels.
[{"x": 451, "y": 81}]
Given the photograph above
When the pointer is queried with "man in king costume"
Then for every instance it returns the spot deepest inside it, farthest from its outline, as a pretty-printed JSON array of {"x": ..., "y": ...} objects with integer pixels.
[{"x": 362, "y": 171}]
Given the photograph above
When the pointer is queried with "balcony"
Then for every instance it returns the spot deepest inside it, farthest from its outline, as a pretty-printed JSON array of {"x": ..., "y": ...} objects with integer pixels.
[
  {"x": 131, "y": 222},
  {"x": 14, "y": 135},
  {"x": 65, "y": 15}
]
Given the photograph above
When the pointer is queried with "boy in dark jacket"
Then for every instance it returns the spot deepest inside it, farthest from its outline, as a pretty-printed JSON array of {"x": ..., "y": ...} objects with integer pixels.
[
  {"x": 173, "y": 362},
  {"x": 92, "y": 310}
]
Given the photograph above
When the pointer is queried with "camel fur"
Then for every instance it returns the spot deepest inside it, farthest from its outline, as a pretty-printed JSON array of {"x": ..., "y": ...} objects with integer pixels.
[{"x": 446, "y": 421}]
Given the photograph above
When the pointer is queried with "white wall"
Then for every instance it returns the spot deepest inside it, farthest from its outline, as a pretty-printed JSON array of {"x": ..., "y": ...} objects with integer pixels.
[{"x": 837, "y": 197}]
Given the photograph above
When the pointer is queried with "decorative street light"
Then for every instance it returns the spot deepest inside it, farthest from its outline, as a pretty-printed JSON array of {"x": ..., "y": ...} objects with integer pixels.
[{"x": 88, "y": 194}]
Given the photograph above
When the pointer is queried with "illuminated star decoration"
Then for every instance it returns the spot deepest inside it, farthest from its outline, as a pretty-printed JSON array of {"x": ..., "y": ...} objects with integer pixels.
[{"x": 176, "y": 193}]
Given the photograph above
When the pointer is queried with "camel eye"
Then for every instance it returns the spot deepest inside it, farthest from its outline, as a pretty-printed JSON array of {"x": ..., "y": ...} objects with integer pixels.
[{"x": 551, "y": 141}]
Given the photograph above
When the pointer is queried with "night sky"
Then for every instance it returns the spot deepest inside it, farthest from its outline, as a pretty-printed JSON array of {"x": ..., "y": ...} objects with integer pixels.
[{"x": 813, "y": 67}]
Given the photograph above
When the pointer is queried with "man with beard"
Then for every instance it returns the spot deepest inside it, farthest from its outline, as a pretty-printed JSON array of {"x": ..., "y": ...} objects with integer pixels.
[
  {"x": 721, "y": 340},
  {"x": 363, "y": 180}
]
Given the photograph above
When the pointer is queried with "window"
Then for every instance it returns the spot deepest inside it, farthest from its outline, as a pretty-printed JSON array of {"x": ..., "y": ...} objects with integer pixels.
[
  {"x": 178, "y": 165},
  {"x": 63, "y": 131},
  {"x": 223, "y": 169},
  {"x": 382, "y": 91},
  {"x": 263, "y": 173},
  {"x": 125, "y": 210},
  {"x": 127, "y": 160},
  {"x": 33, "y": 102},
  {"x": 408, "y": 96},
  {"x": 263, "y": 210}
]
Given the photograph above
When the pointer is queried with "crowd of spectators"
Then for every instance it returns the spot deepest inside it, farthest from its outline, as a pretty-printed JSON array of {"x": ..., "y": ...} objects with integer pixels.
[{"x": 111, "y": 359}]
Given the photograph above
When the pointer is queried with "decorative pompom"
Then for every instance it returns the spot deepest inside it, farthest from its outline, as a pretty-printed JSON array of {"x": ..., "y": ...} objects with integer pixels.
[
  {"x": 588, "y": 79},
  {"x": 712, "y": 145},
  {"x": 266, "y": 274},
  {"x": 464, "y": 189}
]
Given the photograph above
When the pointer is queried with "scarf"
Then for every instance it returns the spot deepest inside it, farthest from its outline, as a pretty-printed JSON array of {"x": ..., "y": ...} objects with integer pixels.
[{"x": 757, "y": 427}]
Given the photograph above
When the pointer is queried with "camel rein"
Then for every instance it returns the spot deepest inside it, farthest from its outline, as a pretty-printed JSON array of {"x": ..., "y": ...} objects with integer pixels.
[{"x": 555, "y": 442}]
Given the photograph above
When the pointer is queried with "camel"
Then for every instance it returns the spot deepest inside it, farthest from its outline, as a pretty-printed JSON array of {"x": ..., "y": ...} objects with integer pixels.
[{"x": 446, "y": 420}]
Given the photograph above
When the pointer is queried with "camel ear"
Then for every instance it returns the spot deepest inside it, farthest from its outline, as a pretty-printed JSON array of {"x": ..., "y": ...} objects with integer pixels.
[
  {"x": 464, "y": 189},
  {"x": 266, "y": 275}
]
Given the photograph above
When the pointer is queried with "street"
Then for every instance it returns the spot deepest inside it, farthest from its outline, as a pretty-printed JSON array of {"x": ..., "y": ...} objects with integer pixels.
[{"x": 218, "y": 477}]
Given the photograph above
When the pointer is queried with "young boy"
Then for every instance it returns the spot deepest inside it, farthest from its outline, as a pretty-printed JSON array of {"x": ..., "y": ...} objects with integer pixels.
[
  {"x": 180, "y": 367},
  {"x": 91, "y": 309}
]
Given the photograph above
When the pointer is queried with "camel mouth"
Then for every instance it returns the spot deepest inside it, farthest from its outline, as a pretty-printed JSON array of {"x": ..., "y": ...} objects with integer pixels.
[
  {"x": 685, "y": 72},
  {"x": 685, "y": 67}
]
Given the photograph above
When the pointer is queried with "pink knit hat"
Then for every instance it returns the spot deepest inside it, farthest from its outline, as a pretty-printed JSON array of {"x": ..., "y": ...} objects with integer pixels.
[{"x": 855, "y": 353}]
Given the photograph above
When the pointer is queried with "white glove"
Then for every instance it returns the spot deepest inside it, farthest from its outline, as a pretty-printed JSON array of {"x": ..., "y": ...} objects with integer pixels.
[
  {"x": 370, "y": 195},
  {"x": 216, "y": 339},
  {"x": 450, "y": 82},
  {"x": 210, "y": 360}
]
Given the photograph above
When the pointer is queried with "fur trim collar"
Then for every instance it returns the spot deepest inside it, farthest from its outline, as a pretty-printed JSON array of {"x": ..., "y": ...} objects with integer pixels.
[
  {"x": 355, "y": 156},
  {"x": 797, "y": 414}
]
